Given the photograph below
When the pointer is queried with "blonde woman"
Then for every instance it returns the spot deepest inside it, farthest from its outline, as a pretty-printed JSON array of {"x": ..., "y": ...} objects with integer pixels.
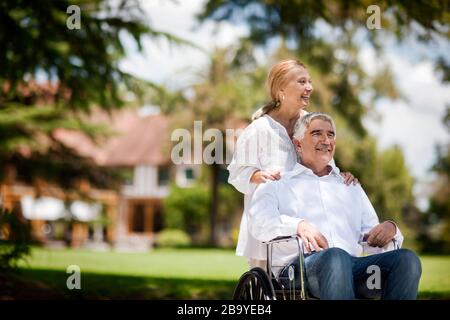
[{"x": 264, "y": 151}]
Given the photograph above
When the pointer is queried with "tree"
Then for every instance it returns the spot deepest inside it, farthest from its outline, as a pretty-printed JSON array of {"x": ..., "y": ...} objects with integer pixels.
[
  {"x": 438, "y": 218},
  {"x": 52, "y": 76},
  {"x": 296, "y": 23},
  {"x": 338, "y": 78},
  {"x": 224, "y": 94}
]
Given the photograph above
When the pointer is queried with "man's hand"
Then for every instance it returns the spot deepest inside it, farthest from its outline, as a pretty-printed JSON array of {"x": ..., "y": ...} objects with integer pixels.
[
  {"x": 262, "y": 176},
  {"x": 381, "y": 234},
  {"x": 312, "y": 238}
]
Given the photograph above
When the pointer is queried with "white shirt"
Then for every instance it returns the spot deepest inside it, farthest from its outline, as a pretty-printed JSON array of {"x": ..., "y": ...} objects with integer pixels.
[
  {"x": 343, "y": 214},
  {"x": 264, "y": 144}
]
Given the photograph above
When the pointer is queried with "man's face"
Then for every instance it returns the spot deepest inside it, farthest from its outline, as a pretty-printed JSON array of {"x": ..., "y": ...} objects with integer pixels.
[{"x": 317, "y": 147}]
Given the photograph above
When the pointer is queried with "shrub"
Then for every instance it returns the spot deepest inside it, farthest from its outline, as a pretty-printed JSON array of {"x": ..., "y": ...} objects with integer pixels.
[
  {"x": 173, "y": 238},
  {"x": 186, "y": 208},
  {"x": 15, "y": 238}
]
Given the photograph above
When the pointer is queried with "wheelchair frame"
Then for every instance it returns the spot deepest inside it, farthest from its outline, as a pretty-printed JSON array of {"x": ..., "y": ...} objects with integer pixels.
[{"x": 259, "y": 284}]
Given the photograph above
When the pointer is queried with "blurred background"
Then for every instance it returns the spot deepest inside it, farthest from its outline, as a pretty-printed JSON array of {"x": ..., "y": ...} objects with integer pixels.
[{"x": 91, "y": 92}]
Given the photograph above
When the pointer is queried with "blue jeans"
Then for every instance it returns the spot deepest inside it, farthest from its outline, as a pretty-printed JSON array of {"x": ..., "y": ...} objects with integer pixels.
[{"x": 334, "y": 274}]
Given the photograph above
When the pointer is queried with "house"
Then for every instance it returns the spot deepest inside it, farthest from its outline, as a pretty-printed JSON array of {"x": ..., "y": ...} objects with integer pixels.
[
  {"x": 127, "y": 218},
  {"x": 141, "y": 149}
]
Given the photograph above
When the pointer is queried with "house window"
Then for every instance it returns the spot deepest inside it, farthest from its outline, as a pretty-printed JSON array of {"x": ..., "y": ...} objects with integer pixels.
[
  {"x": 163, "y": 176},
  {"x": 223, "y": 175},
  {"x": 158, "y": 224},
  {"x": 189, "y": 173},
  {"x": 138, "y": 219}
]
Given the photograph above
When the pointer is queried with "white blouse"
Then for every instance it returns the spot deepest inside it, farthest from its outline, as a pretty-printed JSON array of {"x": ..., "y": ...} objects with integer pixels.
[{"x": 264, "y": 144}]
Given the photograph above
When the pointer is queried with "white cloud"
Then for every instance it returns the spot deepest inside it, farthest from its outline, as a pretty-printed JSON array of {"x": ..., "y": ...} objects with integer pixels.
[
  {"x": 415, "y": 132},
  {"x": 420, "y": 85},
  {"x": 162, "y": 62},
  {"x": 415, "y": 124}
]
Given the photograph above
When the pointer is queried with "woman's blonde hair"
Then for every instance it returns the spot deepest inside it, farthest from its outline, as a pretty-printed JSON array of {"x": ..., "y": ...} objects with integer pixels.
[{"x": 275, "y": 81}]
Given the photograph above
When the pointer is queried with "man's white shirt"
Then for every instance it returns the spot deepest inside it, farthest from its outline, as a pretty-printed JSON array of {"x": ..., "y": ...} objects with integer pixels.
[{"x": 343, "y": 214}]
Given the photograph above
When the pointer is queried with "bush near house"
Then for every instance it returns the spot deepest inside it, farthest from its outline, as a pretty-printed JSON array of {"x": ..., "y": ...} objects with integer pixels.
[
  {"x": 173, "y": 238},
  {"x": 187, "y": 209}
]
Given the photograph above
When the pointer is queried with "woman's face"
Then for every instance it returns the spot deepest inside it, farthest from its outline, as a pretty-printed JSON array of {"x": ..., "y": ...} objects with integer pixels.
[{"x": 297, "y": 90}]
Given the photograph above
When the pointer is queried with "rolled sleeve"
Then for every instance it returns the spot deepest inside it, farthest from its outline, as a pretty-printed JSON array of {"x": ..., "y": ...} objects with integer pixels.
[
  {"x": 240, "y": 178},
  {"x": 245, "y": 162},
  {"x": 398, "y": 234}
]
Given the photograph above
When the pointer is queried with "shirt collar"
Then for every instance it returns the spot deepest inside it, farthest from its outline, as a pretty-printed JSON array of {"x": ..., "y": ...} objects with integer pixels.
[{"x": 301, "y": 169}]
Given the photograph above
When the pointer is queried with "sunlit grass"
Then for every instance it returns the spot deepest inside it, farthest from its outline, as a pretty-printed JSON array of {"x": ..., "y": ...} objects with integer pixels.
[
  {"x": 214, "y": 264},
  {"x": 435, "y": 280},
  {"x": 174, "y": 273}
]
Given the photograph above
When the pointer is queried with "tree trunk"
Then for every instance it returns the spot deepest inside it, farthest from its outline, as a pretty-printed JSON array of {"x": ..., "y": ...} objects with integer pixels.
[{"x": 215, "y": 170}]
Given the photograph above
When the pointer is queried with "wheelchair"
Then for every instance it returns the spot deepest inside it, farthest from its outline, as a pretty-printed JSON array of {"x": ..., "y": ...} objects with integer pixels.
[{"x": 259, "y": 284}]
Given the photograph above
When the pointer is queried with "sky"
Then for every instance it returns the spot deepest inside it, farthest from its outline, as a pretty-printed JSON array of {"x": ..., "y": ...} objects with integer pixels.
[{"x": 414, "y": 124}]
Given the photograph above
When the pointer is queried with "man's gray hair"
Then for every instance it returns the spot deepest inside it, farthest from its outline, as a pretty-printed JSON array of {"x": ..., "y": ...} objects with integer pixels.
[{"x": 303, "y": 123}]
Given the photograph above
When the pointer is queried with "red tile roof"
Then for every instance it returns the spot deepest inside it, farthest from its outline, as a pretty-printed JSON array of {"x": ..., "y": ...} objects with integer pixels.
[{"x": 138, "y": 140}]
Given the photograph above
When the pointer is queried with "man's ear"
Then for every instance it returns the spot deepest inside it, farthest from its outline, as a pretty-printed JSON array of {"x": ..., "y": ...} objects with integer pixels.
[{"x": 297, "y": 144}]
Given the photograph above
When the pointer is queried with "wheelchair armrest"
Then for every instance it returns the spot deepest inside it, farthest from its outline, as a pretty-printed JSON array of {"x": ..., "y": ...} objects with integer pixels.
[
  {"x": 396, "y": 246},
  {"x": 281, "y": 239}
]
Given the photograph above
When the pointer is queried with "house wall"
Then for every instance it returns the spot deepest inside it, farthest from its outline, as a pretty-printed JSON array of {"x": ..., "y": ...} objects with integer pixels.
[{"x": 145, "y": 183}]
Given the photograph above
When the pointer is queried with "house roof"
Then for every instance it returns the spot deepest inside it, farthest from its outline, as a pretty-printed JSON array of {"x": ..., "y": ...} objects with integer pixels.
[
  {"x": 137, "y": 140},
  {"x": 142, "y": 142}
]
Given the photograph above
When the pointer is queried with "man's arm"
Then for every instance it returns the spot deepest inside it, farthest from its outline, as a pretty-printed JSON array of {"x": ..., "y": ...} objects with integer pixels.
[
  {"x": 265, "y": 220},
  {"x": 377, "y": 234}
]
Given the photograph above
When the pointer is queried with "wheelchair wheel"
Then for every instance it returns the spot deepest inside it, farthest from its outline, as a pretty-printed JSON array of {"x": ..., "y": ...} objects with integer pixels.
[{"x": 254, "y": 285}]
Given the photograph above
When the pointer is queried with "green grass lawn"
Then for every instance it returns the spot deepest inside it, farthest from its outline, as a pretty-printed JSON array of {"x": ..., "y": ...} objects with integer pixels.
[{"x": 172, "y": 273}]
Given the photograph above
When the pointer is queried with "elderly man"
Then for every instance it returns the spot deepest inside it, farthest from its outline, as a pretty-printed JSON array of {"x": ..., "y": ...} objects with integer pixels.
[{"x": 333, "y": 220}]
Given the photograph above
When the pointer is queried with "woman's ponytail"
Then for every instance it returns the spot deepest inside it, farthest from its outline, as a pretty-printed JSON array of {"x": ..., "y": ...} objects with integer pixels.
[{"x": 265, "y": 109}]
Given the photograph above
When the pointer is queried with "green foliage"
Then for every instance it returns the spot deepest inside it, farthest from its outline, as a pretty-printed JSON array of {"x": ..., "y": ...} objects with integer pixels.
[
  {"x": 173, "y": 238},
  {"x": 437, "y": 220},
  {"x": 295, "y": 20},
  {"x": 78, "y": 70},
  {"x": 231, "y": 202},
  {"x": 35, "y": 39},
  {"x": 186, "y": 208},
  {"x": 229, "y": 90},
  {"x": 340, "y": 81},
  {"x": 335, "y": 57},
  {"x": 14, "y": 246}
]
